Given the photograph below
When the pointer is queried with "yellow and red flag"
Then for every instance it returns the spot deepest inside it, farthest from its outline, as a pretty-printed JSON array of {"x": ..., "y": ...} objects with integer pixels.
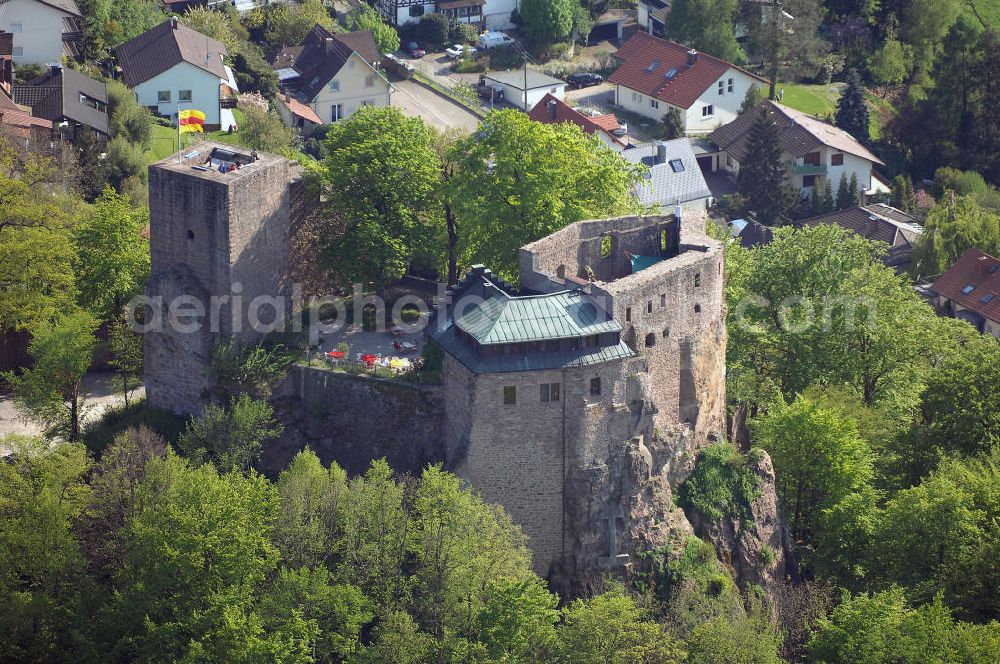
[{"x": 191, "y": 120}]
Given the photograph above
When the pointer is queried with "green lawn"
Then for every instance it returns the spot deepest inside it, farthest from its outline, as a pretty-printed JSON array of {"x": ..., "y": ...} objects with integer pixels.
[
  {"x": 163, "y": 140},
  {"x": 821, "y": 101}
]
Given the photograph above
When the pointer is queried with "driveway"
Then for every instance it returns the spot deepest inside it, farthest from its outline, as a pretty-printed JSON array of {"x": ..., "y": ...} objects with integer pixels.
[
  {"x": 414, "y": 100},
  {"x": 99, "y": 396},
  {"x": 600, "y": 96}
]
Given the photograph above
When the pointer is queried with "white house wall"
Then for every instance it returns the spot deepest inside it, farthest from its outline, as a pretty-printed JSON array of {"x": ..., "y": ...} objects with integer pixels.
[
  {"x": 496, "y": 13},
  {"x": 725, "y": 107},
  {"x": 37, "y": 31},
  {"x": 204, "y": 87},
  {"x": 352, "y": 93}
]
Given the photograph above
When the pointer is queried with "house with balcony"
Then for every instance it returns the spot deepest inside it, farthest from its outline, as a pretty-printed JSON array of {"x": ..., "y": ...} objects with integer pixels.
[
  {"x": 652, "y": 16},
  {"x": 489, "y": 14},
  {"x": 813, "y": 151},
  {"x": 655, "y": 76},
  {"x": 172, "y": 66},
  {"x": 44, "y": 30},
  {"x": 74, "y": 103}
]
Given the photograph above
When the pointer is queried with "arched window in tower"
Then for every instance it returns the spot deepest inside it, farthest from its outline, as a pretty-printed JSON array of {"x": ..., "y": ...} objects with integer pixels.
[
  {"x": 697, "y": 280},
  {"x": 650, "y": 340},
  {"x": 190, "y": 234},
  {"x": 697, "y": 308}
]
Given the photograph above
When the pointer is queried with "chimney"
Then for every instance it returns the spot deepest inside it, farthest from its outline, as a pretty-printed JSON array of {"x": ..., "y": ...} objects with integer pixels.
[
  {"x": 552, "y": 109},
  {"x": 327, "y": 45},
  {"x": 661, "y": 153},
  {"x": 173, "y": 22},
  {"x": 678, "y": 212},
  {"x": 873, "y": 224},
  {"x": 692, "y": 57},
  {"x": 984, "y": 266}
]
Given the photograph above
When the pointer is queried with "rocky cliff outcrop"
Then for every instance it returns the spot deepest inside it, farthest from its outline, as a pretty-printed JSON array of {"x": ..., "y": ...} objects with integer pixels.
[{"x": 757, "y": 549}]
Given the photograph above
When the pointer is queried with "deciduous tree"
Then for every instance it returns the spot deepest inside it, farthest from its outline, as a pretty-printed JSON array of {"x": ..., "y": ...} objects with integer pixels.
[
  {"x": 706, "y": 25},
  {"x": 547, "y": 21},
  {"x": 232, "y": 437}
]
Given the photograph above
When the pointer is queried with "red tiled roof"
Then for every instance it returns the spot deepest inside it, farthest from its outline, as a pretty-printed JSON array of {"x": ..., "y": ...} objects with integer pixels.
[
  {"x": 973, "y": 269},
  {"x": 300, "y": 109},
  {"x": 637, "y": 72},
  {"x": 16, "y": 118},
  {"x": 563, "y": 112}
]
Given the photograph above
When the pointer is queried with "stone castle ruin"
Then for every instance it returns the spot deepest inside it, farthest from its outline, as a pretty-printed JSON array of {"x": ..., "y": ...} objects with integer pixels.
[{"x": 577, "y": 401}]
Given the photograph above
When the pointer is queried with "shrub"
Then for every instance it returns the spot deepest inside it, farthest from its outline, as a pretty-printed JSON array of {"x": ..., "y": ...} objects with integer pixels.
[
  {"x": 469, "y": 66},
  {"x": 434, "y": 30},
  {"x": 463, "y": 33},
  {"x": 265, "y": 131},
  {"x": 505, "y": 57},
  {"x": 722, "y": 484}
]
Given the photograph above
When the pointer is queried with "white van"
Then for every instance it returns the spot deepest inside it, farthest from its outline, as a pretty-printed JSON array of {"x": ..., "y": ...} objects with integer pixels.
[{"x": 493, "y": 39}]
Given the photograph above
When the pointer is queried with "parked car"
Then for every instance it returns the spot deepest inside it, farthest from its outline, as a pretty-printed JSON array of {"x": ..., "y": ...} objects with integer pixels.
[
  {"x": 413, "y": 48},
  {"x": 584, "y": 79},
  {"x": 459, "y": 51},
  {"x": 494, "y": 39}
]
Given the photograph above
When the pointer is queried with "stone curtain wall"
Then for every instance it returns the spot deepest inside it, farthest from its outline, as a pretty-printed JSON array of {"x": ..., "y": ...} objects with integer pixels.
[{"x": 354, "y": 420}]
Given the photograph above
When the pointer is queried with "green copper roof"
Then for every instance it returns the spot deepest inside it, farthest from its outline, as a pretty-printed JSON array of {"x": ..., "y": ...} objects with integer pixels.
[{"x": 501, "y": 318}]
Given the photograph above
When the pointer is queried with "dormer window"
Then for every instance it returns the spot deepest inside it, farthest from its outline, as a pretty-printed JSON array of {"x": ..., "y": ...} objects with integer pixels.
[{"x": 968, "y": 289}]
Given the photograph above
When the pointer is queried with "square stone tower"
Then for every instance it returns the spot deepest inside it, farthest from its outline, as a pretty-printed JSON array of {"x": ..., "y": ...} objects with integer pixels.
[{"x": 219, "y": 242}]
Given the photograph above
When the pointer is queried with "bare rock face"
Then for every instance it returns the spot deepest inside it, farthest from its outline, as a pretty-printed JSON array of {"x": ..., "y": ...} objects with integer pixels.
[{"x": 758, "y": 552}]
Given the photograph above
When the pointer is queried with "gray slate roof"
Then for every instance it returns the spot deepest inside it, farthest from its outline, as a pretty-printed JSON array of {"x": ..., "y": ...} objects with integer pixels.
[
  {"x": 663, "y": 185},
  {"x": 167, "y": 45},
  {"x": 56, "y": 95},
  {"x": 68, "y": 6},
  {"x": 515, "y": 79},
  {"x": 503, "y": 319}
]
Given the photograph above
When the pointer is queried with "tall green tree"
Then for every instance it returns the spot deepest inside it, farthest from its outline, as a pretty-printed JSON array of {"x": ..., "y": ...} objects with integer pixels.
[
  {"x": 290, "y": 27},
  {"x": 380, "y": 178},
  {"x": 706, "y": 25},
  {"x": 852, "y": 110},
  {"x": 232, "y": 437},
  {"x": 199, "y": 551},
  {"x": 127, "y": 357},
  {"x": 818, "y": 457},
  {"x": 50, "y": 392},
  {"x": 547, "y": 21},
  {"x": 673, "y": 124},
  {"x": 843, "y": 194},
  {"x": 518, "y": 181},
  {"x": 113, "y": 254},
  {"x": 366, "y": 18},
  {"x": 761, "y": 179},
  {"x": 310, "y": 525},
  {"x": 955, "y": 225},
  {"x": 880, "y": 628},
  {"x": 36, "y": 253},
  {"x": 942, "y": 536},
  {"x": 611, "y": 628},
  {"x": 517, "y": 620},
  {"x": 43, "y": 586}
]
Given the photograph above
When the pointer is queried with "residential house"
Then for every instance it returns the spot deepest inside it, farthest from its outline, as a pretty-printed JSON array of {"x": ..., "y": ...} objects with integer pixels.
[
  {"x": 672, "y": 178},
  {"x": 879, "y": 222},
  {"x": 68, "y": 99},
  {"x": 515, "y": 81},
  {"x": 813, "y": 151},
  {"x": 652, "y": 16},
  {"x": 489, "y": 14},
  {"x": 552, "y": 110},
  {"x": 171, "y": 66},
  {"x": 181, "y": 6},
  {"x": 16, "y": 122},
  {"x": 970, "y": 290},
  {"x": 655, "y": 75},
  {"x": 332, "y": 74},
  {"x": 44, "y": 30}
]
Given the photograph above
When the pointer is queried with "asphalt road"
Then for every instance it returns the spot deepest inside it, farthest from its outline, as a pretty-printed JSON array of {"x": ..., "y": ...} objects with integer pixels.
[{"x": 414, "y": 100}]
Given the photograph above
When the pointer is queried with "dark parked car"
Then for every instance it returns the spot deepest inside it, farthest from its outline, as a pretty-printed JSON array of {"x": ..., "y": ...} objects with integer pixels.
[
  {"x": 415, "y": 51},
  {"x": 584, "y": 80}
]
